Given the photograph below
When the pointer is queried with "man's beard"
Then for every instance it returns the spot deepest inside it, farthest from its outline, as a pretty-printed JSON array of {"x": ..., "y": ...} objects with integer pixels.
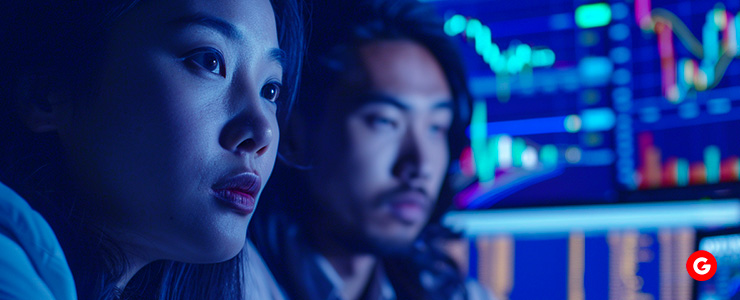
[
  {"x": 363, "y": 242},
  {"x": 358, "y": 237}
]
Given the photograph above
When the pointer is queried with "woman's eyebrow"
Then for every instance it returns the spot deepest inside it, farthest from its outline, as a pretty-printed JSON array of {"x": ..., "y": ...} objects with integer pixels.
[
  {"x": 278, "y": 55},
  {"x": 228, "y": 30},
  {"x": 225, "y": 28}
]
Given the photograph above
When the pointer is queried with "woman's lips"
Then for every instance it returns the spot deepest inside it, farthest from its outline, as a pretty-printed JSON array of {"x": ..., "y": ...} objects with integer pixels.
[{"x": 239, "y": 192}]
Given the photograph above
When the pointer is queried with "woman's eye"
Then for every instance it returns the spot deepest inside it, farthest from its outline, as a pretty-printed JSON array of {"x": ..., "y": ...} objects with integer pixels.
[
  {"x": 270, "y": 91},
  {"x": 209, "y": 59}
]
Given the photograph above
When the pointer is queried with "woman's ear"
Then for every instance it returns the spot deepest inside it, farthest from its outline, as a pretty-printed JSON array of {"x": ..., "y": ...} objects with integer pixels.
[{"x": 41, "y": 109}]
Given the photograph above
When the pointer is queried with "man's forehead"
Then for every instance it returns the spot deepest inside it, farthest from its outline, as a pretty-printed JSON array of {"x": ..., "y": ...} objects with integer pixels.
[
  {"x": 405, "y": 103},
  {"x": 402, "y": 67}
]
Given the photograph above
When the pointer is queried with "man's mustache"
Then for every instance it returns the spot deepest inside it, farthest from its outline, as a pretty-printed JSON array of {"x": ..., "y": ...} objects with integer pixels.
[{"x": 406, "y": 191}]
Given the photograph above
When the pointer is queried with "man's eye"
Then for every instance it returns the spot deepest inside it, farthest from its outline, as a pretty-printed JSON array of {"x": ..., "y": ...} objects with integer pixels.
[
  {"x": 439, "y": 129},
  {"x": 381, "y": 122},
  {"x": 209, "y": 59},
  {"x": 271, "y": 91}
]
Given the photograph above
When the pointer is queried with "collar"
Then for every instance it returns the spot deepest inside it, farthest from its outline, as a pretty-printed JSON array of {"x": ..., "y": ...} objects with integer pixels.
[{"x": 378, "y": 280}]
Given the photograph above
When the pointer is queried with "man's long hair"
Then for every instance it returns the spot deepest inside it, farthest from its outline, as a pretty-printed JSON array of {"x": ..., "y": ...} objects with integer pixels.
[{"x": 337, "y": 30}]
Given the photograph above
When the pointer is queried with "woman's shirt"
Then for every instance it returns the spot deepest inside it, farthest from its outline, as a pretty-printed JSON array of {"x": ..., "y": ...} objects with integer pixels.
[{"x": 31, "y": 259}]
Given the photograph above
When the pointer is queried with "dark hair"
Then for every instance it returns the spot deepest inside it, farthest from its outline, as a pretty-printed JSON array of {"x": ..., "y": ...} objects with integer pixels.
[
  {"x": 339, "y": 29},
  {"x": 187, "y": 281},
  {"x": 58, "y": 43}
]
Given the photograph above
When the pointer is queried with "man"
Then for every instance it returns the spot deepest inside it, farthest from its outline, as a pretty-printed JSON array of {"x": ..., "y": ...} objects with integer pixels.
[{"x": 383, "y": 105}]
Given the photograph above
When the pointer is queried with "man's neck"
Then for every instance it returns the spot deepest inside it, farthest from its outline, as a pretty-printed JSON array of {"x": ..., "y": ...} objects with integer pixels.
[{"x": 355, "y": 270}]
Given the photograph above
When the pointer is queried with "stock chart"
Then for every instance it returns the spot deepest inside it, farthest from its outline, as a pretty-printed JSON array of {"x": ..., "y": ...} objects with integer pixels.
[
  {"x": 592, "y": 103},
  {"x": 581, "y": 102}
]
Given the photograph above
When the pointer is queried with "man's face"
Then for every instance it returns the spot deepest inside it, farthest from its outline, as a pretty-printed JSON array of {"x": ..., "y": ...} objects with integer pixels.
[{"x": 379, "y": 179}]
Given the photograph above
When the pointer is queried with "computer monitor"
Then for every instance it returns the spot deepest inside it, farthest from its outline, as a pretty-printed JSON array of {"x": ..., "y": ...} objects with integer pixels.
[
  {"x": 592, "y": 102},
  {"x": 724, "y": 245}
]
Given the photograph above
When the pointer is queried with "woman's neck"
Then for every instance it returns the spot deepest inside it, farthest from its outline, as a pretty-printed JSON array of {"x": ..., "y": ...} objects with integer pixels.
[
  {"x": 133, "y": 256},
  {"x": 134, "y": 265}
]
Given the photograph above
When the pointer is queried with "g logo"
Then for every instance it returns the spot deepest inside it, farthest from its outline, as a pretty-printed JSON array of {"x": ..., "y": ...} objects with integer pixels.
[
  {"x": 704, "y": 269},
  {"x": 701, "y": 265}
]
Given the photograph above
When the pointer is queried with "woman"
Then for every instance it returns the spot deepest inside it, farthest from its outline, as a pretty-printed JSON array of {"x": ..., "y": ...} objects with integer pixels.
[{"x": 145, "y": 131}]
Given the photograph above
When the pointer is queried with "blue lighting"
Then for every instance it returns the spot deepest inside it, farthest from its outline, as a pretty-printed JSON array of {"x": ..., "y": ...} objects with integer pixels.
[
  {"x": 528, "y": 126},
  {"x": 622, "y": 77},
  {"x": 600, "y": 218},
  {"x": 594, "y": 71},
  {"x": 598, "y": 119},
  {"x": 619, "y": 32},
  {"x": 620, "y": 55}
]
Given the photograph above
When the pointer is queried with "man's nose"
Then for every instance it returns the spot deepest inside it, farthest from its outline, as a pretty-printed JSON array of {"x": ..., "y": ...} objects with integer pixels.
[{"x": 412, "y": 163}]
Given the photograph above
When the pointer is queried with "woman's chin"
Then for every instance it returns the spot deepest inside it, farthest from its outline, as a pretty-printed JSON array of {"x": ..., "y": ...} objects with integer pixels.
[{"x": 216, "y": 252}]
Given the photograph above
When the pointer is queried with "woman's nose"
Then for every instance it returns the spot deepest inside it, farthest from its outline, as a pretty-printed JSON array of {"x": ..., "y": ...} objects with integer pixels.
[
  {"x": 251, "y": 130},
  {"x": 248, "y": 132}
]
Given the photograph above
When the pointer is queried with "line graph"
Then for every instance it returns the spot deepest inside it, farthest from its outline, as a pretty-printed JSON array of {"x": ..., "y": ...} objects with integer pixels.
[
  {"x": 517, "y": 60},
  {"x": 712, "y": 56}
]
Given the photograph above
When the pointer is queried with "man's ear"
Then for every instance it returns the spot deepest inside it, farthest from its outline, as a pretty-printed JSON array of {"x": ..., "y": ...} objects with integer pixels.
[{"x": 41, "y": 108}]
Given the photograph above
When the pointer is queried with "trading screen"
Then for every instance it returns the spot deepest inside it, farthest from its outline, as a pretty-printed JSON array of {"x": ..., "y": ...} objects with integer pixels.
[
  {"x": 588, "y": 103},
  {"x": 581, "y": 102},
  {"x": 725, "y": 284}
]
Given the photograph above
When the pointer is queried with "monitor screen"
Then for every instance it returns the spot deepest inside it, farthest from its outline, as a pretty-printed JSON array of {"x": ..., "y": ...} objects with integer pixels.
[
  {"x": 598, "y": 102},
  {"x": 618, "y": 264},
  {"x": 725, "y": 284}
]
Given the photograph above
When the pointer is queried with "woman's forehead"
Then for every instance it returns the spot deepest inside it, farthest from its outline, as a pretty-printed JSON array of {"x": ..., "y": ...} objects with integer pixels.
[{"x": 250, "y": 19}]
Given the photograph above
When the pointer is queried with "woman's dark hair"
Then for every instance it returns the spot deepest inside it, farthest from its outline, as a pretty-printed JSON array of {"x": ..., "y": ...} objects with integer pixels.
[
  {"x": 338, "y": 30},
  {"x": 58, "y": 45},
  {"x": 224, "y": 280}
]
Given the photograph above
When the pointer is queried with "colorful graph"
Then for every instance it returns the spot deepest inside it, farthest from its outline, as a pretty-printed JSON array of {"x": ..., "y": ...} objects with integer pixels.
[
  {"x": 503, "y": 160},
  {"x": 618, "y": 264},
  {"x": 679, "y": 76},
  {"x": 503, "y": 153},
  {"x": 679, "y": 171},
  {"x": 501, "y": 150},
  {"x": 623, "y": 69},
  {"x": 499, "y": 145},
  {"x": 518, "y": 59}
]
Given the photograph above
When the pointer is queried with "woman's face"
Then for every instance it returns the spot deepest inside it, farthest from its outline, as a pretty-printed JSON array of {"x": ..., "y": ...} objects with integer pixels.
[{"x": 174, "y": 151}]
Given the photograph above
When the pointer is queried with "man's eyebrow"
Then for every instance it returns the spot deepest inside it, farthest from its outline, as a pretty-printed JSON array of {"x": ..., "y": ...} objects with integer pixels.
[
  {"x": 444, "y": 104},
  {"x": 380, "y": 98},
  {"x": 225, "y": 28},
  {"x": 373, "y": 97}
]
